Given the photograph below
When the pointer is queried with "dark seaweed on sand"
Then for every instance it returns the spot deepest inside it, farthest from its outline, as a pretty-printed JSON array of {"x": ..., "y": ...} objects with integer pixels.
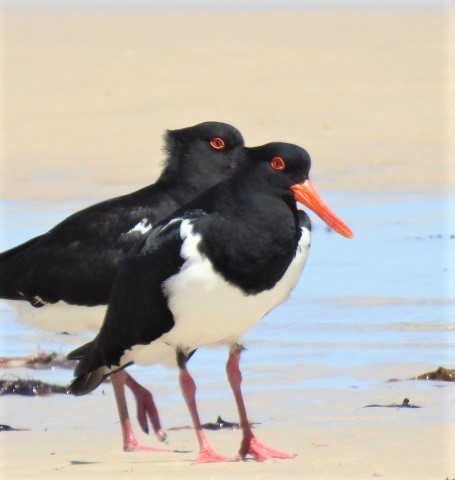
[{"x": 29, "y": 387}]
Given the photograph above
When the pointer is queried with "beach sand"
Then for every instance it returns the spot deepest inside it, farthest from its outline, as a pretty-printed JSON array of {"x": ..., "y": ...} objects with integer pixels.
[
  {"x": 333, "y": 435},
  {"x": 87, "y": 96}
]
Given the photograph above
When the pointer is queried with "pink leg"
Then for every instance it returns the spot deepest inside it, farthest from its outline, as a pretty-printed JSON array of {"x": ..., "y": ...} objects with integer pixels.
[
  {"x": 250, "y": 444},
  {"x": 145, "y": 408},
  {"x": 130, "y": 444},
  {"x": 206, "y": 452}
]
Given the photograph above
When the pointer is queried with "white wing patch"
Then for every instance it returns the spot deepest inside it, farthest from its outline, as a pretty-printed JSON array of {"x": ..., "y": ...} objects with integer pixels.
[{"x": 142, "y": 227}]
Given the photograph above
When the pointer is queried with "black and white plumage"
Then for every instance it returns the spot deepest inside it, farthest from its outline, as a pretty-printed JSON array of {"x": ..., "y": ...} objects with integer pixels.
[
  {"x": 207, "y": 274},
  {"x": 77, "y": 261}
]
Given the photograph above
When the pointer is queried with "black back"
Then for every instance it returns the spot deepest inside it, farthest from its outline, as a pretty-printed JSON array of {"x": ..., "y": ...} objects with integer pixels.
[{"x": 78, "y": 259}]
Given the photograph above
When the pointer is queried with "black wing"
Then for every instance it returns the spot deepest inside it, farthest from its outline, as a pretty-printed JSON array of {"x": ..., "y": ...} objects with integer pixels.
[
  {"x": 138, "y": 310},
  {"x": 78, "y": 259}
]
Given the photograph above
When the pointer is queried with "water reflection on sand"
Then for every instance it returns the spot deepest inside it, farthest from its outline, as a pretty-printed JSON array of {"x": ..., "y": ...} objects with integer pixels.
[{"x": 377, "y": 306}]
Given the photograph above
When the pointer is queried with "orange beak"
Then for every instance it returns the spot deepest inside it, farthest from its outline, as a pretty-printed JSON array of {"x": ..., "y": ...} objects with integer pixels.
[{"x": 306, "y": 194}]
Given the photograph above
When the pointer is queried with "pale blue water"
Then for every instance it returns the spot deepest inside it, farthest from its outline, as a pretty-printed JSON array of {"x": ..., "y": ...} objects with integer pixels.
[{"x": 384, "y": 297}]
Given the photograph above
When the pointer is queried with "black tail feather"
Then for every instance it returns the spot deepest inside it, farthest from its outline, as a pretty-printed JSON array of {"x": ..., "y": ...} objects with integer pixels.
[
  {"x": 91, "y": 371},
  {"x": 88, "y": 374},
  {"x": 87, "y": 382},
  {"x": 78, "y": 353}
]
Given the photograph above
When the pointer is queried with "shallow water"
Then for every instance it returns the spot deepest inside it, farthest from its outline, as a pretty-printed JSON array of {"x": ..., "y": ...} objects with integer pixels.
[{"x": 365, "y": 310}]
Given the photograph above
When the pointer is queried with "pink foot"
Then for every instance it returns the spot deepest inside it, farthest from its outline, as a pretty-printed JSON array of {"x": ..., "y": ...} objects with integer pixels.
[
  {"x": 133, "y": 446},
  {"x": 207, "y": 455},
  {"x": 262, "y": 452}
]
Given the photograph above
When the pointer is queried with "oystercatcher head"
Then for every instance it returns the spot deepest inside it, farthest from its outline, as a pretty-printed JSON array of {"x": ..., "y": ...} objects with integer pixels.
[
  {"x": 208, "y": 273},
  {"x": 200, "y": 155},
  {"x": 295, "y": 163}
]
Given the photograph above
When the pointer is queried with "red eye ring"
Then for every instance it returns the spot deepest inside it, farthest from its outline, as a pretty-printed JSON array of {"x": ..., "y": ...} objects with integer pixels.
[
  {"x": 217, "y": 143},
  {"x": 278, "y": 163}
]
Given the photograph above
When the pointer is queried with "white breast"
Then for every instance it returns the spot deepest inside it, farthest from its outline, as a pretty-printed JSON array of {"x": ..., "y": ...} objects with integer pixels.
[{"x": 207, "y": 309}]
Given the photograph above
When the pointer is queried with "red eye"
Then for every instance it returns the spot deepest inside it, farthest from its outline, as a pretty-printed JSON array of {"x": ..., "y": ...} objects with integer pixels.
[
  {"x": 278, "y": 163},
  {"x": 217, "y": 143}
]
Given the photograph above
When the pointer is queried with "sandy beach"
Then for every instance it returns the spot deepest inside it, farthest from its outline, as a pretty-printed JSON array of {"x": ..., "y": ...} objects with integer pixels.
[
  {"x": 334, "y": 436},
  {"x": 87, "y": 95}
]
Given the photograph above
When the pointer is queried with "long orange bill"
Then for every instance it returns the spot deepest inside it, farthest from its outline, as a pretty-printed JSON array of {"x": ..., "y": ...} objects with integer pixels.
[{"x": 305, "y": 193}]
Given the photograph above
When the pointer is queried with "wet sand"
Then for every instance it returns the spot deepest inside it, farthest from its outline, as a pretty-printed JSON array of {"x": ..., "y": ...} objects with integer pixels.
[
  {"x": 86, "y": 98},
  {"x": 330, "y": 430}
]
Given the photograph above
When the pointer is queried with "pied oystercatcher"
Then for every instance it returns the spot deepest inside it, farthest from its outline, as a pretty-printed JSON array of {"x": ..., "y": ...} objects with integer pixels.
[
  {"x": 242, "y": 243},
  {"x": 76, "y": 262}
]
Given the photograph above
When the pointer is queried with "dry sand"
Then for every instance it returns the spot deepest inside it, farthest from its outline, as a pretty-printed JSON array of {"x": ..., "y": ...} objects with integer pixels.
[
  {"x": 87, "y": 95},
  {"x": 86, "y": 98}
]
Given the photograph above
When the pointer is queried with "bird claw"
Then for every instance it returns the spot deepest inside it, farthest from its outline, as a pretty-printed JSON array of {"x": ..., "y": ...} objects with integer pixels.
[{"x": 161, "y": 435}]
